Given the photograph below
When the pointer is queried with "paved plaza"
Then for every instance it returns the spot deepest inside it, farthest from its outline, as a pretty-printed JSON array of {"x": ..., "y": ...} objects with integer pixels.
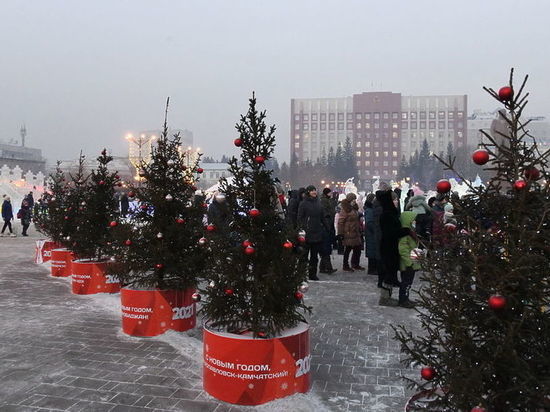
[{"x": 66, "y": 352}]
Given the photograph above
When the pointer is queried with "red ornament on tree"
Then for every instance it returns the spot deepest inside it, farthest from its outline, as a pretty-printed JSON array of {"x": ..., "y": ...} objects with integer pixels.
[
  {"x": 480, "y": 156},
  {"x": 254, "y": 212},
  {"x": 249, "y": 250},
  {"x": 102, "y": 182},
  {"x": 238, "y": 142},
  {"x": 450, "y": 227},
  {"x": 127, "y": 242},
  {"x": 246, "y": 243},
  {"x": 200, "y": 170},
  {"x": 203, "y": 241},
  {"x": 66, "y": 217},
  {"x": 143, "y": 207},
  {"x": 478, "y": 409},
  {"x": 211, "y": 228},
  {"x": 259, "y": 159},
  {"x": 288, "y": 245},
  {"x": 520, "y": 184},
  {"x": 427, "y": 373},
  {"x": 497, "y": 302},
  {"x": 196, "y": 297},
  {"x": 180, "y": 221},
  {"x": 131, "y": 194},
  {"x": 159, "y": 265},
  {"x": 113, "y": 223},
  {"x": 443, "y": 186},
  {"x": 532, "y": 173},
  {"x": 262, "y": 334},
  {"x": 229, "y": 292},
  {"x": 299, "y": 295},
  {"x": 505, "y": 94}
]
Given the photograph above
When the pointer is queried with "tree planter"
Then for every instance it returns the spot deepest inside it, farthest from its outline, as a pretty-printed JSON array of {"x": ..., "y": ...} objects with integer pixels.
[
  {"x": 153, "y": 312},
  {"x": 61, "y": 262},
  {"x": 43, "y": 250},
  {"x": 246, "y": 371},
  {"x": 88, "y": 277}
]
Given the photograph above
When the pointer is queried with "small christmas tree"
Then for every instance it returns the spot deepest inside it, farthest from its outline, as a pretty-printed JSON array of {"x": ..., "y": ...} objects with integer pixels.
[
  {"x": 94, "y": 209},
  {"x": 159, "y": 246},
  {"x": 484, "y": 306},
  {"x": 256, "y": 275}
]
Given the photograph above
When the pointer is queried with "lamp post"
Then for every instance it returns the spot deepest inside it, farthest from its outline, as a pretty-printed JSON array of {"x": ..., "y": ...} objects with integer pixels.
[{"x": 139, "y": 151}]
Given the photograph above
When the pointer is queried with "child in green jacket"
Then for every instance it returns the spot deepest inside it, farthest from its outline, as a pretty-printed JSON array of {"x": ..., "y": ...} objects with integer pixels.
[{"x": 407, "y": 266}]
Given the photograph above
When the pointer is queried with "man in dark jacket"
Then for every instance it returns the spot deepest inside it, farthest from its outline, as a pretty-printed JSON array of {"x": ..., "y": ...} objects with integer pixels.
[
  {"x": 124, "y": 204},
  {"x": 328, "y": 213},
  {"x": 296, "y": 196},
  {"x": 218, "y": 212},
  {"x": 311, "y": 219}
]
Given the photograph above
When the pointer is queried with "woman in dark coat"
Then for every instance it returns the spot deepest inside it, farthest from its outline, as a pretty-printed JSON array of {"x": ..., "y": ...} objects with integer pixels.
[
  {"x": 349, "y": 229},
  {"x": 7, "y": 215},
  {"x": 25, "y": 215},
  {"x": 370, "y": 236},
  {"x": 391, "y": 231},
  {"x": 296, "y": 196}
]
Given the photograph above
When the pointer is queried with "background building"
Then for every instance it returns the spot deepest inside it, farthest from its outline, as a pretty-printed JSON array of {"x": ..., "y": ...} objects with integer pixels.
[
  {"x": 15, "y": 153},
  {"x": 383, "y": 127}
]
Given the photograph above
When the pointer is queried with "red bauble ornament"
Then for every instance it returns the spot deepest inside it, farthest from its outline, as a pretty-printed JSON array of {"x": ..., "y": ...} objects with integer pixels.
[
  {"x": 180, "y": 221},
  {"x": 478, "y": 409},
  {"x": 259, "y": 159},
  {"x": 246, "y": 243},
  {"x": 159, "y": 265},
  {"x": 102, "y": 182},
  {"x": 480, "y": 156},
  {"x": 113, "y": 223},
  {"x": 532, "y": 173},
  {"x": 520, "y": 184},
  {"x": 497, "y": 302},
  {"x": 254, "y": 212},
  {"x": 196, "y": 297},
  {"x": 262, "y": 334},
  {"x": 443, "y": 186},
  {"x": 288, "y": 245},
  {"x": 128, "y": 242},
  {"x": 302, "y": 239},
  {"x": 131, "y": 194},
  {"x": 203, "y": 241},
  {"x": 119, "y": 184},
  {"x": 211, "y": 228},
  {"x": 66, "y": 217},
  {"x": 249, "y": 250},
  {"x": 117, "y": 177},
  {"x": 200, "y": 170},
  {"x": 238, "y": 142},
  {"x": 229, "y": 292},
  {"x": 204, "y": 206},
  {"x": 299, "y": 295},
  {"x": 143, "y": 207},
  {"x": 427, "y": 373},
  {"x": 450, "y": 227},
  {"x": 194, "y": 188},
  {"x": 505, "y": 94}
]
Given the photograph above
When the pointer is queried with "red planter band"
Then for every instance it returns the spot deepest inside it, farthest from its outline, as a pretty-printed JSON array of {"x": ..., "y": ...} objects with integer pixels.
[
  {"x": 88, "y": 277},
  {"x": 246, "y": 371},
  {"x": 153, "y": 312},
  {"x": 61, "y": 262},
  {"x": 43, "y": 251}
]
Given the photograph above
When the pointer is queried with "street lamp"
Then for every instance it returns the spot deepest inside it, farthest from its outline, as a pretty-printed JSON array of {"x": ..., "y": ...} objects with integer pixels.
[{"x": 139, "y": 151}]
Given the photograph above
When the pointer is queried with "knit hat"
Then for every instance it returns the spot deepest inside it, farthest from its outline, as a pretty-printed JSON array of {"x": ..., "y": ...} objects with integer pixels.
[
  {"x": 351, "y": 196},
  {"x": 326, "y": 191},
  {"x": 311, "y": 188}
]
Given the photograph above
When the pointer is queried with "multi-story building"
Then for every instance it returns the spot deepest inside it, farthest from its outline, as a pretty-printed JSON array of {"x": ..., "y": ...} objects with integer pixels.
[{"x": 383, "y": 127}]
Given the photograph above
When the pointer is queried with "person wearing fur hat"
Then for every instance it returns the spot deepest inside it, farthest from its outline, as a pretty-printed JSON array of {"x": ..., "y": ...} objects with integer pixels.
[
  {"x": 312, "y": 220},
  {"x": 349, "y": 230}
]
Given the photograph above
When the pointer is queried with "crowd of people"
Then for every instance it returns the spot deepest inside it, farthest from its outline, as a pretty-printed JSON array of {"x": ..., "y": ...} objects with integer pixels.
[{"x": 24, "y": 214}]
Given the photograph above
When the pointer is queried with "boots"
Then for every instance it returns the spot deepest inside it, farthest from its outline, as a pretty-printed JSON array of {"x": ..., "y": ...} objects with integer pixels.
[
  {"x": 313, "y": 273},
  {"x": 326, "y": 265},
  {"x": 385, "y": 297},
  {"x": 371, "y": 267}
]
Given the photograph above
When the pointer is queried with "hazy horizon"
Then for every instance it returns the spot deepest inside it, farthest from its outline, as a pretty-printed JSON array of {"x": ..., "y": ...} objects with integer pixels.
[{"x": 81, "y": 75}]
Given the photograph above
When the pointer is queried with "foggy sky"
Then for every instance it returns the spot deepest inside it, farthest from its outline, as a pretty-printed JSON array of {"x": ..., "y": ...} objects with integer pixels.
[{"x": 81, "y": 74}]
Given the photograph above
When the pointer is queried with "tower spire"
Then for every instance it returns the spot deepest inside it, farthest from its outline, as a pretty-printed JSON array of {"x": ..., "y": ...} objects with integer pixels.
[{"x": 23, "y": 133}]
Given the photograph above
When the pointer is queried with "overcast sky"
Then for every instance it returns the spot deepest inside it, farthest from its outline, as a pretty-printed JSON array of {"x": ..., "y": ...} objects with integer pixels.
[{"x": 81, "y": 74}]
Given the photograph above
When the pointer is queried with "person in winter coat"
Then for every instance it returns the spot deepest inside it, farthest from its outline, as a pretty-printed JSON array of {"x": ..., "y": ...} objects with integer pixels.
[
  {"x": 296, "y": 197},
  {"x": 410, "y": 193},
  {"x": 124, "y": 205},
  {"x": 7, "y": 215},
  {"x": 218, "y": 212},
  {"x": 423, "y": 212},
  {"x": 391, "y": 232},
  {"x": 25, "y": 215},
  {"x": 407, "y": 266},
  {"x": 370, "y": 237},
  {"x": 349, "y": 230},
  {"x": 448, "y": 215},
  {"x": 311, "y": 219},
  {"x": 328, "y": 213}
]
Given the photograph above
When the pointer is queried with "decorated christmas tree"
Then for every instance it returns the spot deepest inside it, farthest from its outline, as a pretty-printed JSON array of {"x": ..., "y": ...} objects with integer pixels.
[
  {"x": 484, "y": 305},
  {"x": 256, "y": 274},
  {"x": 93, "y": 209},
  {"x": 159, "y": 245}
]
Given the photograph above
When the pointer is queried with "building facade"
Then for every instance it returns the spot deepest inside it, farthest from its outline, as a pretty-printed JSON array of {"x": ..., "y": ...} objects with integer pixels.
[{"x": 383, "y": 127}]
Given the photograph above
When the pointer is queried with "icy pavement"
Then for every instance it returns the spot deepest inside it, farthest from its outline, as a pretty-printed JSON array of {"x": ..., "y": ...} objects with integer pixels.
[{"x": 60, "y": 351}]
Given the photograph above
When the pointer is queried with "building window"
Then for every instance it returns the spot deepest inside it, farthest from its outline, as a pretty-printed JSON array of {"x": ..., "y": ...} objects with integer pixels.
[
  {"x": 394, "y": 172},
  {"x": 359, "y": 116},
  {"x": 414, "y": 125},
  {"x": 395, "y": 115},
  {"x": 422, "y": 115},
  {"x": 441, "y": 114},
  {"x": 386, "y": 144},
  {"x": 451, "y": 115},
  {"x": 340, "y": 126},
  {"x": 394, "y": 153},
  {"x": 377, "y": 125},
  {"x": 376, "y": 144},
  {"x": 306, "y": 126},
  {"x": 297, "y": 136},
  {"x": 413, "y": 115},
  {"x": 376, "y": 135},
  {"x": 460, "y": 115},
  {"x": 323, "y": 126},
  {"x": 323, "y": 117},
  {"x": 358, "y": 163},
  {"x": 432, "y": 115},
  {"x": 432, "y": 125},
  {"x": 305, "y": 117},
  {"x": 331, "y": 126},
  {"x": 385, "y": 164},
  {"x": 395, "y": 134},
  {"x": 431, "y": 134},
  {"x": 386, "y": 125},
  {"x": 297, "y": 126},
  {"x": 349, "y": 116},
  {"x": 314, "y": 117},
  {"x": 460, "y": 134},
  {"x": 376, "y": 163},
  {"x": 297, "y": 145},
  {"x": 459, "y": 125},
  {"x": 376, "y": 116},
  {"x": 394, "y": 144},
  {"x": 404, "y": 125},
  {"x": 367, "y": 144},
  {"x": 358, "y": 125},
  {"x": 358, "y": 153},
  {"x": 367, "y": 154},
  {"x": 376, "y": 154},
  {"x": 367, "y": 116},
  {"x": 404, "y": 116},
  {"x": 451, "y": 125},
  {"x": 313, "y": 126},
  {"x": 441, "y": 125},
  {"x": 367, "y": 162},
  {"x": 422, "y": 125},
  {"x": 459, "y": 143},
  {"x": 367, "y": 135},
  {"x": 350, "y": 126},
  {"x": 385, "y": 154},
  {"x": 358, "y": 144},
  {"x": 331, "y": 117},
  {"x": 385, "y": 135},
  {"x": 340, "y": 116},
  {"x": 395, "y": 126},
  {"x": 297, "y": 117},
  {"x": 386, "y": 115}
]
